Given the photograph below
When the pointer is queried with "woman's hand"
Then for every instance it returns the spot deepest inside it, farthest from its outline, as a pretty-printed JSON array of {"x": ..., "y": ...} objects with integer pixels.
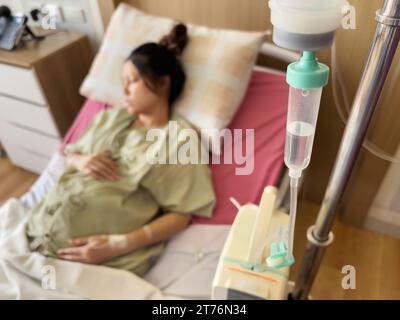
[
  {"x": 98, "y": 165},
  {"x": 101, "y": 248},
  {"x": 95, "y": 249}
]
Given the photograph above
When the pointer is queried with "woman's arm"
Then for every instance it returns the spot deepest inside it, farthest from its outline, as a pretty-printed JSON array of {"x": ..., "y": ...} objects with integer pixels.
[
  {"x": 98, "y": 165},
  {"x": 160, "y": 229},
  {"x": 101, "y": 248}
]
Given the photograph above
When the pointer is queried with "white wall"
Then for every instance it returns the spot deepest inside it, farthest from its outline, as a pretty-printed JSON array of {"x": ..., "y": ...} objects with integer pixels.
[
  {"x": 93, "y": 26},
  {"x": 384, "y": 214},
  {"x": 15, "y": 5}
]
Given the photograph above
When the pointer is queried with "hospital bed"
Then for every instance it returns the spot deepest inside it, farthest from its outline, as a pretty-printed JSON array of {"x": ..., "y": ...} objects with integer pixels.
[
  {"x": 187, "y": 266},
  {"x": 194, "y": 253}
]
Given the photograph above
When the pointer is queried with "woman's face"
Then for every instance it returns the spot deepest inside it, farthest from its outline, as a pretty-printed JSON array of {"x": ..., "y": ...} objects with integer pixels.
[{"x": 139, "y": 98}]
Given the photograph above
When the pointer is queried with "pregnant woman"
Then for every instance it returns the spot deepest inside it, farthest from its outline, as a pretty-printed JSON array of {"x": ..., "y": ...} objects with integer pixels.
[{"x": 113, "y": 206}]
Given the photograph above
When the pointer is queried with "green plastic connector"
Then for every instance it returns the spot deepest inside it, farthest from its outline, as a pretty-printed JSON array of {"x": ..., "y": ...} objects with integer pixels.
[
  {"x": 278, "y": 257},
  {"x": 307, "y": 73}
]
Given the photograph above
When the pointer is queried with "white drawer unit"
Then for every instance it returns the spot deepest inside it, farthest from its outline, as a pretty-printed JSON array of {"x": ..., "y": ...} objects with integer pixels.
[
  {"x": 21, "y": 83},
  {"x": 27, "y": 129},
  {"x": 27, "y": 148},
  {"x": 27, "y": 115},
  {"x": 39, "y": 96},
  {"x": 26, "y": 158},
  {"x": 35, "y": 141}
]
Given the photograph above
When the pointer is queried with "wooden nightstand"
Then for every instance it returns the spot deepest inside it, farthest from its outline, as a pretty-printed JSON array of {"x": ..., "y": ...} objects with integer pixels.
[{"x": 39, "y": 96}]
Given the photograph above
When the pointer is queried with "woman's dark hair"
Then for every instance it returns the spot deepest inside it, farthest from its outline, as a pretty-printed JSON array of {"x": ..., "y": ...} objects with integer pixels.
[{"x": 155, "y": 60}]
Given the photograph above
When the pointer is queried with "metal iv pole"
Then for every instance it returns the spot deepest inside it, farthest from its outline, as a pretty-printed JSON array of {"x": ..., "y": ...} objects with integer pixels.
[{"x": 381, "y": 55}]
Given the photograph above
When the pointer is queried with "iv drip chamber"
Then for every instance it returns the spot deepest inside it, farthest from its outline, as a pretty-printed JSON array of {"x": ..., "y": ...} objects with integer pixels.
[{"x": 306, "y": 79}]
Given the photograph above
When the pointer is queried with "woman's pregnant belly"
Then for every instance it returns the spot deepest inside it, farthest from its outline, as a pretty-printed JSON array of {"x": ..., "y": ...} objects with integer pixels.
[{"x": 98, "y": 208}]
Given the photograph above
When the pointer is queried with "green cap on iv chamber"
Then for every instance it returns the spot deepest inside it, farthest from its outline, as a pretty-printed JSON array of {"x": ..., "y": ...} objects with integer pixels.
[{"x": 307, "y": 73}]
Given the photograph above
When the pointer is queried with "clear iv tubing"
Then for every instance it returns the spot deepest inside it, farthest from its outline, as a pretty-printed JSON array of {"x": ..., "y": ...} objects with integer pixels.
[
  {"x": 294, "y": 182},
  {"x": 337, "y": 75},
  {"x": 306, "y": 79},
  {"x": 302, "y": 118}
]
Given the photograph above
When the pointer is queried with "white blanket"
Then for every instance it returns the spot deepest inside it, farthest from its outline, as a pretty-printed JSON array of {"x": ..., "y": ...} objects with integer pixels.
[
  {"x": 26, "y": 275},
  {"x": 185, "y": 269}
]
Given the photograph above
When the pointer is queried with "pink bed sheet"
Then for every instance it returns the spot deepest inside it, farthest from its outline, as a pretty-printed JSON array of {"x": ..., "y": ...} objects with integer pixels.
[
  {"x": 264, "y": 110},
  {"x": 82, "y": 121}
]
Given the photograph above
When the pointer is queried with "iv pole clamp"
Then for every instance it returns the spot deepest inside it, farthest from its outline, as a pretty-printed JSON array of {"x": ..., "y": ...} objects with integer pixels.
[{"x": 381, "y": 56}]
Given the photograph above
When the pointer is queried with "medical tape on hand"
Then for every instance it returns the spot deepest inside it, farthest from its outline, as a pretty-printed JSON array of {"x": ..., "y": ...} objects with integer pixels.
[{"x": 118, "y": 241}]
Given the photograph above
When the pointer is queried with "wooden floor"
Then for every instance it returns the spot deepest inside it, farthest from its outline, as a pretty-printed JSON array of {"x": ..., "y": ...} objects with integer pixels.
[
  {"x": 375, "y": 257},
  {"x": 13, "y": 181}
]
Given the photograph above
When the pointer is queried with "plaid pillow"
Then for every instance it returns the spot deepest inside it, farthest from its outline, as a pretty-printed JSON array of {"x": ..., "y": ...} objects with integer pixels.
[{"x": 218, "y": 64}]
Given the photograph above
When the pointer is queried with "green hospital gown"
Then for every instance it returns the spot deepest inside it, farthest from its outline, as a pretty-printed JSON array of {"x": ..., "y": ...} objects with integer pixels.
[{"x": 80, "y": 206}]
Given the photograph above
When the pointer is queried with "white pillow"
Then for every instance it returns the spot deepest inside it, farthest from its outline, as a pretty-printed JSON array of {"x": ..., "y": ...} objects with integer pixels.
[{"x": 218, "y": 66}]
